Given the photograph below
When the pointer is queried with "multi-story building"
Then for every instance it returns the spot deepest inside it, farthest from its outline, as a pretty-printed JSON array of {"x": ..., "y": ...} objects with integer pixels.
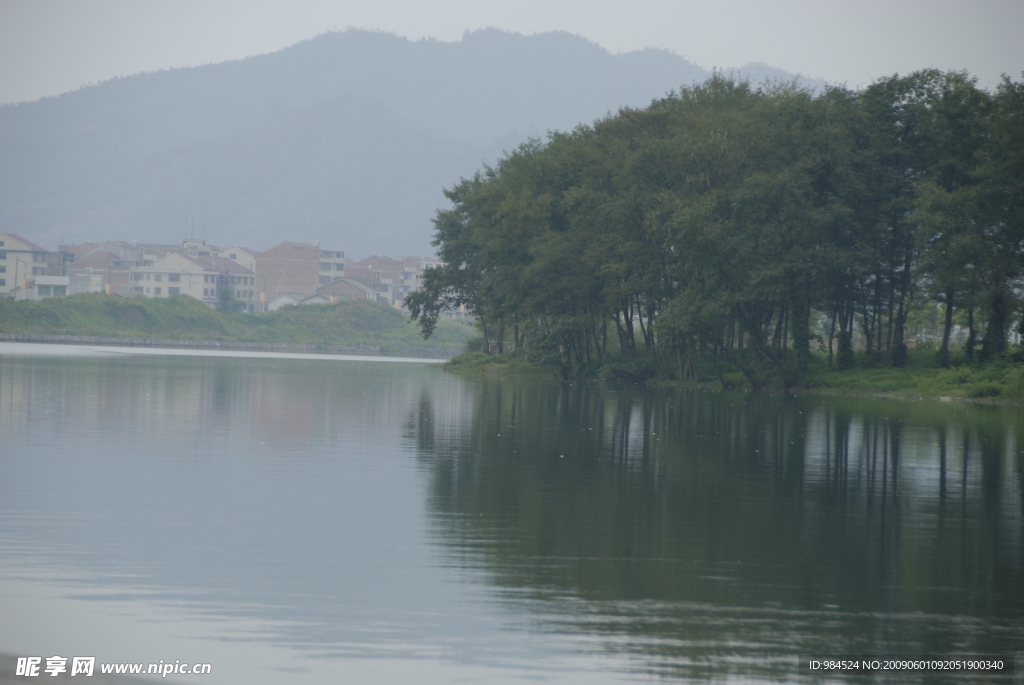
[
  {"x": 303, "y": 271},
  {"x": 174, "y": 273},
  {"x": 243, "y": 255},
  {"x": 296, "y": 268},
  {"x": 20, "y": 261}
]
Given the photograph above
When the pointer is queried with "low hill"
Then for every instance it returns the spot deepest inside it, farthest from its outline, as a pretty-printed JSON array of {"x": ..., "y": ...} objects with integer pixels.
[
  {"x": 181, "y": 317},
  {"x": 348, "y": 138}
]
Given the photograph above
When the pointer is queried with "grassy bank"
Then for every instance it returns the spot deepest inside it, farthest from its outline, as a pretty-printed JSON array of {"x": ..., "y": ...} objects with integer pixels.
[
  {"x": 997, "y": 380},
  {"x": 181, "y": 317}
]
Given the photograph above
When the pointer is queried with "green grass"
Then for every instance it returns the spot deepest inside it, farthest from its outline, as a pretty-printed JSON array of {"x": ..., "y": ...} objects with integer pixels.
[
  {"x": 923, "y": 377},
  {"x": 510, "y": 363},
  {"x": 181, "y": 317},
  {"x": 998, "y": 380}
]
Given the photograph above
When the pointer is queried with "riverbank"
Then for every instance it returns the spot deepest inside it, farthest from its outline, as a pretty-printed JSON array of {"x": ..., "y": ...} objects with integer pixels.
[
  {"x": 172, "y": 343},
  {"x": 923, "y": 377},
  {"x": 346, "y": 327}
]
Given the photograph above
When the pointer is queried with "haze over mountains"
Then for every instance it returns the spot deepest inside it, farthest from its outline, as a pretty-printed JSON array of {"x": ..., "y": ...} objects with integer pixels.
[{"x": 347, "y": 138}]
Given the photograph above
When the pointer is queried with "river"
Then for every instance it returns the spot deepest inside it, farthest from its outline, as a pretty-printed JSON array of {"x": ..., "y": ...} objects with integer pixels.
[{"x": 290, "y": 518}]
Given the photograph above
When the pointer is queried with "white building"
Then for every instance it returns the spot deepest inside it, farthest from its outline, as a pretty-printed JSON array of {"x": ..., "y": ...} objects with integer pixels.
[{"x": 173, "y": 273}]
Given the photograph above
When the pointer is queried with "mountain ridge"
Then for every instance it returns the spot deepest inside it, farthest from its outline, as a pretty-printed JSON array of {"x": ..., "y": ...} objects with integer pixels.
[{"x": 348, "y": 137}]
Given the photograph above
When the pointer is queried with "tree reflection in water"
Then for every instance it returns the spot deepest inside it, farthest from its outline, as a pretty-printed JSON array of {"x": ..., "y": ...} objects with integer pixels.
[{"x": 710, "y": 534}]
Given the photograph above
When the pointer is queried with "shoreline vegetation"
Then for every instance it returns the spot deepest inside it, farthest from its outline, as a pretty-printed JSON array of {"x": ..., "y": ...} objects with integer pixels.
[
  {"x": 921, "y": 378},
  {"x": 345, "y": 324},
  {"x": 848, "y": 241}
]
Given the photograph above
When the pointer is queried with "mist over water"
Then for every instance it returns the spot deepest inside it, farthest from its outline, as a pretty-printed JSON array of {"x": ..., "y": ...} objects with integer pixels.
[{"x": 293, "y": 520}]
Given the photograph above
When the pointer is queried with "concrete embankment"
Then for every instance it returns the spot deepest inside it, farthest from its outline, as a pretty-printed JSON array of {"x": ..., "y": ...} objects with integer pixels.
[{"x": 172, "y": 343}]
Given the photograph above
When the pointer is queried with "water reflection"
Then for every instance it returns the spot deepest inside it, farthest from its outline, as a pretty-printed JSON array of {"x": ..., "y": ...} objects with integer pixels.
[
  {"x": 714, "y": 533},
  {"x": 233, "y": 501},
  {"x": 269, "y": 511}
]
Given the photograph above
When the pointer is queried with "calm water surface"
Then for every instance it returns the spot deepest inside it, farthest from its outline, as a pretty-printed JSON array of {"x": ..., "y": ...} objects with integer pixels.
[{"x": 328, "y": 520}]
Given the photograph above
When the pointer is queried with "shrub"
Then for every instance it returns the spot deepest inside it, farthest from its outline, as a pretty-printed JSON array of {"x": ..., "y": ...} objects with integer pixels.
[
  {"x": 1015, "y": 382},
  {"x": 470, "y": 359},
  {"x": 987, "y": 389},
  {"x": 630, "y": 371},
  {"x": 958, "y": 375}
]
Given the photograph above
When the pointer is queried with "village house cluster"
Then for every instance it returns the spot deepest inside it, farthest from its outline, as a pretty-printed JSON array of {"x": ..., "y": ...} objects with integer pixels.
[{"x": 289, "y": 273}]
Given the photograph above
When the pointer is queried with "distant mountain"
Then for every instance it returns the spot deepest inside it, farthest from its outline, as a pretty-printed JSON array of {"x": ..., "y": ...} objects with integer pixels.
[{"x": 348, "y": 138}]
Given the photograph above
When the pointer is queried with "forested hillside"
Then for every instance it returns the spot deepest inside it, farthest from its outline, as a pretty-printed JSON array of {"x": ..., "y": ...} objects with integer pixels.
[
  {"x": 741, "y": 225},
  {"x": 347, "y": 138}
]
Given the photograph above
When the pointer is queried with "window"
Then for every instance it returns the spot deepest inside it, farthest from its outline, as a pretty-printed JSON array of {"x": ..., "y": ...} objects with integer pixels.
[
  {"x": 147, "y": 278},
  {"x": 3, "y": 269},
  {"x": 147, "y": 291},
  {"x": 3, "y": 255},
  {"x": 158, "y": 277},
  {"x": 44, "y": 290},
  {"x": 1, "y": 243},
  {"x": 38, "y": 256},
  {"x": 250, "y": 294},
  {"x": 325, "y": 266},
  {"x": 60, "y": 290},
  {"x": 324, "y": 280},
  {"x": 230, "y": 256},
  {"x": 156, "y": 291},
  {"x": 174, "y": 278},
  {"x": 3, "y": 281},
  {"x": 38, "y": 270},
  {"x": 173, "y": 291}
]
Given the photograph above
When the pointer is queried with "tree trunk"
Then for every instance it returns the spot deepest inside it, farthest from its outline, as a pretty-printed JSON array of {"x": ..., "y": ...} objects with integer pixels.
[
  {"x": 971, "y": 340},
  {"x": 801, "y": 326},
  {"x": 487, "y": 336},
  {"x": 994, "y": 344},
  {"x": 831, "y": 335},
  {"x": 947, "y": 329}
]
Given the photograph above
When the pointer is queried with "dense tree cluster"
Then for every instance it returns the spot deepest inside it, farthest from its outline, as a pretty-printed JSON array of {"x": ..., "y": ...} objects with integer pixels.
[{"x": 727, "y": 221}]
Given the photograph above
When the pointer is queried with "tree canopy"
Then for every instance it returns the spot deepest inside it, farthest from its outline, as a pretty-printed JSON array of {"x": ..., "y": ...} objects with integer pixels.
[{"x": 732, "y": 221}]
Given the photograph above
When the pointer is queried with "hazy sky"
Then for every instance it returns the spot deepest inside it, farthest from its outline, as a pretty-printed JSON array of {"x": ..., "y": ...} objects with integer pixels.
[{"x": 51, "y": 46}]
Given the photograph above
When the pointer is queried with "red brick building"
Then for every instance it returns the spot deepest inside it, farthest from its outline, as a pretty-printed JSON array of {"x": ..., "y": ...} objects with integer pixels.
[{"x": 298, "y": 268}]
